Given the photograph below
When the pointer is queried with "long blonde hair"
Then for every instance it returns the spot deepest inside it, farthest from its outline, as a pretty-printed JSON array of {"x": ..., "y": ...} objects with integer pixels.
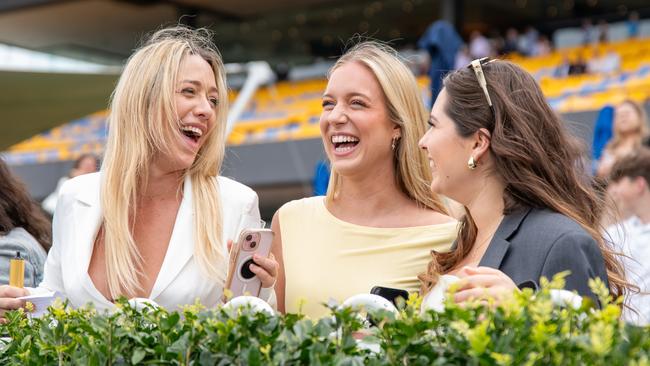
[
  {"x": 143, "y": 122},
  {"x": 642, "y": 129},
  {"x": 406, "y": 109}
]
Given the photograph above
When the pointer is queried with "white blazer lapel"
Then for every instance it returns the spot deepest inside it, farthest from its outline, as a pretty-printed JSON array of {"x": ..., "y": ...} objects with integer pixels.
[
  {"x": 181, "y": 243},
  {"x": 86, "y": 219}
]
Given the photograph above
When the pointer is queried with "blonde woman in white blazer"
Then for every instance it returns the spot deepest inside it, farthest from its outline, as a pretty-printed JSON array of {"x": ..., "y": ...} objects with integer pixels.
[{"x": 155, "y": 221}]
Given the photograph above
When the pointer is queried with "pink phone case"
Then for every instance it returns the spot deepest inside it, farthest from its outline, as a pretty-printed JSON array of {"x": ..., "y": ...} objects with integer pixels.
[{"x": 241, "y": 281}]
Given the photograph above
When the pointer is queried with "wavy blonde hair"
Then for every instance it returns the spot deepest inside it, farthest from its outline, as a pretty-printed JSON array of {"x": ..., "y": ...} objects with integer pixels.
[
  {"x": 405, "y": 109},
  {"x": 144, "y": 122}
]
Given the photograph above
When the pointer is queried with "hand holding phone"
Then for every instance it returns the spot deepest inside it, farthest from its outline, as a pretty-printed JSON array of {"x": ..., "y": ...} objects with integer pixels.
[{"x": 241, "y": 280}]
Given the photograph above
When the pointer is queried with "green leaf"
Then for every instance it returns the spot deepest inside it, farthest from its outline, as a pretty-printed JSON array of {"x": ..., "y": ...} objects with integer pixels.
[{"x": 138, "y": 355}]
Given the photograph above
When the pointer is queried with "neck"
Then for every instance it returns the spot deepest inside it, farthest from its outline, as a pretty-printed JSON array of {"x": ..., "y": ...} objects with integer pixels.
[
  {"x": 643, "y": 209},
  {"x": 160, "y": 183},
  {"x": 486, "y": 206},
  {"x": 368, "y": 195},
  {"x": 629, "y": 138}
]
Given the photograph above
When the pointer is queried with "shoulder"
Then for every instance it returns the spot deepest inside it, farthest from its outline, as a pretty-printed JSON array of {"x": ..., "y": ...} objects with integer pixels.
[
  {"x": 553, "y": 232},
  {"x": 551, "y": 225},
  {"x": 541, "y": 231},
  {"x": 83, "y": 185},
  {"x": 301, "y": 204},
  {"x": 19, "y": 239},
  {"x": 431, "y": 217},
  {"x": 234, "y": 193}
]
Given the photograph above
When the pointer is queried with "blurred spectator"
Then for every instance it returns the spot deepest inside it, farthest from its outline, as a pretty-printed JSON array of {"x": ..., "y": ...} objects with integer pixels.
[
  {"x": 442, "y": 43},
  {"x": 630, "y": 189},
  {"x": 633, "y": 25},
  {"x": 462, "y": 57},
  {"x": 528, "y": 40},
  {"x": 629, "y": 129},
  {"x": 479, "y": 46},
  {"x": 282, "y": 71},
  {"x": 578, "y": 66},
  {"x": 321, "y": 178},
  {"x": 510, "y": 42},
  {"x": 23, "y": 228},
  {"x": 562, "y": 70},
  {"x": 603, "y": 64},
  {"x": 593, "y": 65},
  {"x": 603, "y": 31},
  {"x": 602, "y": 131},
  {"x": 611, "y": 62},
  {"x": 589, "y": 35},
  {"x": 542, "y": 47},
  {"x": 86, "y": 163}
]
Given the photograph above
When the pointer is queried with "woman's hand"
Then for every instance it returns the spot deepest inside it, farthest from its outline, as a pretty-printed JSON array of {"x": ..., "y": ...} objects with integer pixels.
[
  {"x": 266, "y": 269},
  {"x": 482, "y": 283},
  {"x": 8, "y": 301}
]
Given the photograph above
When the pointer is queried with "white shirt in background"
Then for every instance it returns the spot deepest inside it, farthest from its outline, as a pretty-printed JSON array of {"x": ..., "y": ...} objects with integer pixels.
[{"x": 632, "y": 238}]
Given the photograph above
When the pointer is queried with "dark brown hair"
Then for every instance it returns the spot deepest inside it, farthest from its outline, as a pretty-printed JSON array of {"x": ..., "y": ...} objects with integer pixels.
[
  {"x": 540, "y": 163},
  {"x": 17, "y": 209},
  {"x": 634, "y": 165}
]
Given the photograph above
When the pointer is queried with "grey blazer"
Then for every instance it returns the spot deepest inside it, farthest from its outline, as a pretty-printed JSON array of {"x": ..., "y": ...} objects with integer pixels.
[{"x": 531, "y": 243}]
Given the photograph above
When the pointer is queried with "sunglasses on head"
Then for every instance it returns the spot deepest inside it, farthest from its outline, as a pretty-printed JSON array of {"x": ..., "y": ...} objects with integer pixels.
[{"x": 477, "y": 66}]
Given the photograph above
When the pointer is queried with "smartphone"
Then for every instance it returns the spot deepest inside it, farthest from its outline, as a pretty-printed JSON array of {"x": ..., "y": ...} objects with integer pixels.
[
  {"x": 241, "y": 280},
  {"x": 390, "y": 294}
]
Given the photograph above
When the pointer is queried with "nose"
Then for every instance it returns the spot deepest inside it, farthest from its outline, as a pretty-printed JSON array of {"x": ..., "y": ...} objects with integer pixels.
[
  {"x": 203, "y": 110},
  {"x": 337, "y": 115},
  {"x": 421, "y": 143}
]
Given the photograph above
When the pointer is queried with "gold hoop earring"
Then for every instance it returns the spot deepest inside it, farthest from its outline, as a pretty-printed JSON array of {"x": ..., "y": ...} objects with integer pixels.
[{"x": 471, "y": 163}]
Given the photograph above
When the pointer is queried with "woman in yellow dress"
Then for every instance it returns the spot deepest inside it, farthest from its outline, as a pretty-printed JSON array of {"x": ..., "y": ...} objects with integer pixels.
[{"x": 379, "y": 221}]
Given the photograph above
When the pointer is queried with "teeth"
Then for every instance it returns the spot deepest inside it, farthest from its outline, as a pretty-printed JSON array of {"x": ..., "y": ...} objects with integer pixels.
[
  {"x": 343, "y": 149},
  {"x": 337, "y": 139},
  {"x": 197, "y": 131}
]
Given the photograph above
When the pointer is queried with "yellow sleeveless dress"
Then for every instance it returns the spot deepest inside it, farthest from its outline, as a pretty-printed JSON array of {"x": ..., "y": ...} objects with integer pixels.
[{"x": 326, "y": 258}]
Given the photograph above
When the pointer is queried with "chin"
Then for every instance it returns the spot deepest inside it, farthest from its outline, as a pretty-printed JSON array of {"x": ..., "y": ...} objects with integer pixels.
[{"x": 345, "y": 167}]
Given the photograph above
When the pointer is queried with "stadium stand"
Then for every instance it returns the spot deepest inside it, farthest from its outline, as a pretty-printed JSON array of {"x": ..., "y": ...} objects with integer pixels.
[{"x": 290, "y": 110}]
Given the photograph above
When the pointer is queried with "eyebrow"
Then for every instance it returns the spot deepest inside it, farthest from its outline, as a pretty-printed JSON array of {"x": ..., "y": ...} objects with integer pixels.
[
  {"x": 198, "y": 84},
  {"x": 349, "y": 95}
]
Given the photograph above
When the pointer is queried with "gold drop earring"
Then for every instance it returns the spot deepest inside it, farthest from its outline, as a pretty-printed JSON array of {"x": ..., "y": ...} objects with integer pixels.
[{"x": 471, "y": 163}]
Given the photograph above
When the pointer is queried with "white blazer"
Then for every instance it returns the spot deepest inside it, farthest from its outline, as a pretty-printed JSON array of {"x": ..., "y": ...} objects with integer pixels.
[{"x": 180, "y": 281}]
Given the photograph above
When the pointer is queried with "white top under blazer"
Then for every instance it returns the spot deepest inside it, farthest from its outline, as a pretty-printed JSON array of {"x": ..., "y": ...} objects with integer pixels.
[{"x": 180, "y": 281}]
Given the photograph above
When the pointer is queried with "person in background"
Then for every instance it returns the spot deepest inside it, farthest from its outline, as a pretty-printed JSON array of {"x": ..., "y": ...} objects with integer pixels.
[
  {"x": 155, "y": 221},
  {"x": 479, "y": 45},
  {"x": 562, "y": 70},
  {"x": 630, "y": 127},
  {"x": 589, "y": 35},
  {"x": 510, "y": 44},
  {"x": 542, "y": 46},
  {"x": 497, "y": 147},
  {"x": 629, "y": 185},
  {"x": 632, "y": 24},
  {"x": 603, "y": 31},
  {"x": 462, "y": 58},
  {"x": 24, "y": 228},
  {"x": 442, "y": 43},
  {"x": 379, "y": 220},
  {"x": 85, "y": 164},
  {"x": 578, "y": 66}
]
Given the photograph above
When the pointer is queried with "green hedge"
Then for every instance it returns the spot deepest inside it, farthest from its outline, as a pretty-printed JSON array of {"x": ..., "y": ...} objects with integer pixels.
[{"x": 524, "y": 330}]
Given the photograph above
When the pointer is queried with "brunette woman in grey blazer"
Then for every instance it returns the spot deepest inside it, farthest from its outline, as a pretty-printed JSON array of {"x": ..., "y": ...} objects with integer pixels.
[{"x": 497, "y": 147}]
